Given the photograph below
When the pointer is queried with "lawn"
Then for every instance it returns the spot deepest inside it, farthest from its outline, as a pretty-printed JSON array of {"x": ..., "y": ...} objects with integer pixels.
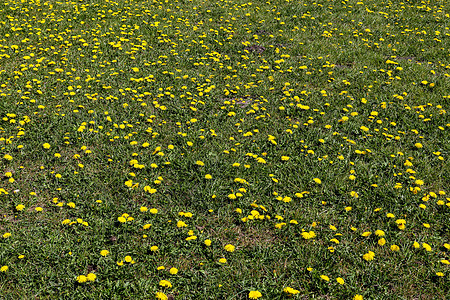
[{"x": 224, "y": 149}]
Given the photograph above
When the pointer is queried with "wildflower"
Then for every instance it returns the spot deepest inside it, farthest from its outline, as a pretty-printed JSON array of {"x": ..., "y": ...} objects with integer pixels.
[
  {"x": 369, "y": 256},
  {"x": 395, "y": 248},
  {"x": 358, "y": 297},
  {"x": 181, "y": 224},
  {"x": 154, "y": 248},
  {"x": 128, "y": 259},
  {"x": 418, "y": 145},
  {"x": 153, "y": 211},
  {"x": 291, "y": 291},
  {"x": 317, "y": 180},
  {"x": 207, "y": 243},
  {"x": 340, "y": 280},
  {"x": 426, "y": 246},
  {"x": 8, "y": 157},
  {"x": 173, "y": 271},
  {"x": 20, "y": 207},
  {"x": 440, "y": 274},
  {"x": 46, "y": 146},
  {"x": 308, "y": 235},
  {"x": 143, "y": 209},
  {"x": 91, "y": 277},
  {"x": 381, "y": 241},
  {"x": 254, "y": 295},
  {"x": 4, "y": 269},
  {"x": 104, "y": 252},
  {"x": 364, "y": 128},
  {"x": 379, "y": 233},
  {"x": 401, "y": 224},
  {"x": 223, "y": 260},
  {"x": 6, "y": 235},
  {"x": 208, "y": 176},
  {"x": 161, "y": 296},
  {"x": 229, "y": 248},
  {"x": 82, "y": 279},
  {"x": 324, "y": 277},
  {"x": 165, "y": 283}
]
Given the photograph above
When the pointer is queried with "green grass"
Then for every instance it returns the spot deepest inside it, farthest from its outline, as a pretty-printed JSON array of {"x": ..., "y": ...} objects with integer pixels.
[{"x": 270, "y": 96}]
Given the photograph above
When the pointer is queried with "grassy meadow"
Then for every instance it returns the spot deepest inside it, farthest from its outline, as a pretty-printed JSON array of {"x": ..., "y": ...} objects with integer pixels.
[{"x": 194, "y": 149}]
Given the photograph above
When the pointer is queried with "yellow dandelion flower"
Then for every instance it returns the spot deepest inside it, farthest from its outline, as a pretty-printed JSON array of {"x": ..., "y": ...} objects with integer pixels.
[
  {"x": 91, "y": 277},
  {"x": 229, "y": 248},
  {"x": 254, "y": 295}
]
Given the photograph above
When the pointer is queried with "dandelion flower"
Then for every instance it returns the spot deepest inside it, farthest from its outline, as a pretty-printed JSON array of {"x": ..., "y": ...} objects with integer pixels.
[
  {"x": 369, "y": 256},
  {"x": 254, "y": 295},
  {"x": 91, "y": 277},
  {"x": 229, "y": 248},
  {"x": 181, "y": 224},
  {"x": 173, "y": 271},
  {"x": 395, "y": 248},
  {"x": 379, "y": 233},
  {"x": 426, "y": 246},
  {"x": 161, "y": 296},
  {"x": 165, "y": 283},
  {"x": 82, "y": 279},
  {"x": 325, "y": 277},
  {"x": 291, "y": 291},
  {"x": 4, "y": 269},
  {"x": 104, "y": 252}
]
